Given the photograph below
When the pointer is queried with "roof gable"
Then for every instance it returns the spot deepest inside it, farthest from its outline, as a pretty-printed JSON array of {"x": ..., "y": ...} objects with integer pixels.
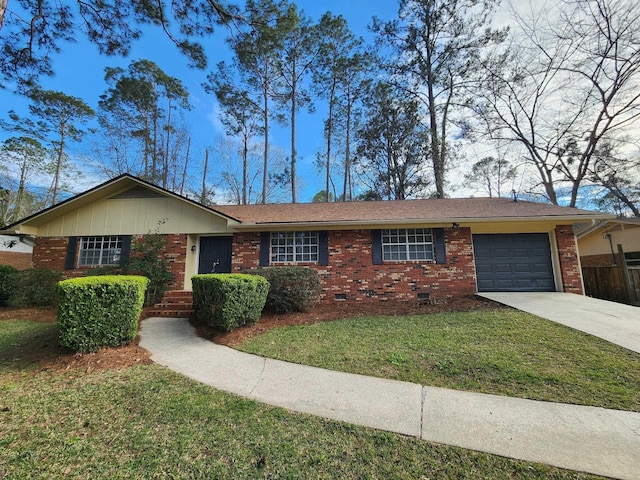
[{"x": 123, "y": 188}]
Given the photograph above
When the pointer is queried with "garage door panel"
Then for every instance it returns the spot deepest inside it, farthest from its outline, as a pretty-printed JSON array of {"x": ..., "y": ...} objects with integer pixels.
[
  {"x": 513, "y": 262},
  {"x": 523, "y": 268},
  {"x": 501, "y": 269},
  {"x": 484, "y": 269}
]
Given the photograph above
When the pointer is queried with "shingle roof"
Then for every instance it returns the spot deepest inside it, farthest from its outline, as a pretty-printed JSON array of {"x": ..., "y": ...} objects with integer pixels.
[{"x": 436, "y": 210}]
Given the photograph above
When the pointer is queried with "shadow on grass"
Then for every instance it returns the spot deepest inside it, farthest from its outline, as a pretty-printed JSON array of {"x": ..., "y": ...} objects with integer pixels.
[{"x": 36, "y": 344}]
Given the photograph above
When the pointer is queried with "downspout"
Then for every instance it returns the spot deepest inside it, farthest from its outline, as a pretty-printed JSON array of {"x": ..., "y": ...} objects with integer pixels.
[{"x": 613, "y": 253}]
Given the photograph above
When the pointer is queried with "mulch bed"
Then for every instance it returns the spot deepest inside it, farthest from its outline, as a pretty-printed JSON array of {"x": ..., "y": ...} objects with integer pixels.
[
  {"x": 341, "y": 310},
  {"x": 50, "y": 357}
]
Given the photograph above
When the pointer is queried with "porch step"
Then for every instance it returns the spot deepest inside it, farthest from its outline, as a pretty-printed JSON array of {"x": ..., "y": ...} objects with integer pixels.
[{"x": 174, "y": 303}]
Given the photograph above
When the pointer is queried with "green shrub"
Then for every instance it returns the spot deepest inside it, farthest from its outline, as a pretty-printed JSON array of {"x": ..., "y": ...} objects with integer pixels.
[
  {"x": 148, "y": 258},
  {"x": 292, "y": 289},
  {"x": 9, "y": 277},
  {"x": 36, "y": 288},
  {"x": 103, "y": 311},
  {"x": 228, "y": 301}
]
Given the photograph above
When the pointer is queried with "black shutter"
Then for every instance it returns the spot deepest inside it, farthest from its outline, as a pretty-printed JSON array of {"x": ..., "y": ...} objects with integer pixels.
[
  {"x": 125, "y": 251},
  {"x": 323, "y": 247},
  {"x": 70, "y": 259},
  {"x": 265, "y": 243},
  {"x": 440, "y": 248},
  {"x": 376, "y": 247}
]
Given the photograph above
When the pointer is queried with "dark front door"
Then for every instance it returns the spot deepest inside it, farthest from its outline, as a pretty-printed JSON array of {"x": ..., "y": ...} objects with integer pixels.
[
  {"x": 519, "y": 262},
  {"x": 215, "y": 255}
]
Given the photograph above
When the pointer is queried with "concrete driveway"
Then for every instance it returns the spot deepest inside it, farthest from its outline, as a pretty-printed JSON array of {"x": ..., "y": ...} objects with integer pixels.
[{"x": 614, "y": 322}]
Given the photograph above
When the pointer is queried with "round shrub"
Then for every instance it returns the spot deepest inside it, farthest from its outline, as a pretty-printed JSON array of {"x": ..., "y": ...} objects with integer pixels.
[{"x": 293, "y": 289}]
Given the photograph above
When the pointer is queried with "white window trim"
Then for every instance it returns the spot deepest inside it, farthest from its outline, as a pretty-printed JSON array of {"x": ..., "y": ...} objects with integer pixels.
[
  {"x": 103, "y": 252},
  {"x": 386, "y": 234},
  {"x": 297, "y": 250}
]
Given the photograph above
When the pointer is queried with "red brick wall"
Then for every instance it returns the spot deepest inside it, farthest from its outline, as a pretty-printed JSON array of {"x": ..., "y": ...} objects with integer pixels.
[
  {"x": 176, "y": 254},
  {"x": 246, "y": 251},
  {"x": 50, "y": 252},
  {"x": 19, "y": 260},
  {"x": 569, "y": 261},
  {"x": 351, "y": 272}
]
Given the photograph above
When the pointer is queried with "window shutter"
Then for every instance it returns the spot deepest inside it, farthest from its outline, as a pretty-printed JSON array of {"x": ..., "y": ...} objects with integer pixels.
[
  {"x": 265, "y": 242},
  {"x": 70, "y": 259},
  {"x": 323, "y": 247},
  {"x": 440, "y": 249},
  {"x": 376, "y": 247},
  {"x": 125, "y": 251}
]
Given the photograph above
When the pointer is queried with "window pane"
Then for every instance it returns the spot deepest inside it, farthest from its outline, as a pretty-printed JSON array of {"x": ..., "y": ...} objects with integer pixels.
[
  {"x": 100, "y": 251},
  {"x": 291, "y": 247},
  {"x": 407, "y": 244}
]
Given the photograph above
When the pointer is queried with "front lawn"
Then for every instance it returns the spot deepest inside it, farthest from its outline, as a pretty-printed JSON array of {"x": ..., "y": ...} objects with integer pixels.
[
  {"x": 503, "y": 351},
  {"x": 147, "y": 422}
]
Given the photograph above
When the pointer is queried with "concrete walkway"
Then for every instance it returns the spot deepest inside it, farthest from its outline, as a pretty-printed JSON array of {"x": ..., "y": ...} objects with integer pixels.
[
  {"x": 595, "y": 440},
  {"x": 615, "y": 322}
]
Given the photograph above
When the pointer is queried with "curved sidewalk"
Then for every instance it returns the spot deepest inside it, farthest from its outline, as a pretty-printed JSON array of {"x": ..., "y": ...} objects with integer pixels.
[{"x": 591, "y": 439}]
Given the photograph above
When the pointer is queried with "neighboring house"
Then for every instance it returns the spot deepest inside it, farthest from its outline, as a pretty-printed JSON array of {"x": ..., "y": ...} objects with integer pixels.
[
  {"x": 406, "y": 249},
  {"x": 598, "y": 243},
  {"x": 16, "y": 250}
]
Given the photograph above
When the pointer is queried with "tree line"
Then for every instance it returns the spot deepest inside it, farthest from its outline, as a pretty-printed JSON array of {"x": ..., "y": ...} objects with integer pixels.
[{"x": 551, "y": 101}]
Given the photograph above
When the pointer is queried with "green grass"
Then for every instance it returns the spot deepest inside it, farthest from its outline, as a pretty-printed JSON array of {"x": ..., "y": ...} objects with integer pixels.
[
  {"x": 504, "y": 352},
  {"x": 18, "y": 341},
  {"x": 147, "y": 422}
]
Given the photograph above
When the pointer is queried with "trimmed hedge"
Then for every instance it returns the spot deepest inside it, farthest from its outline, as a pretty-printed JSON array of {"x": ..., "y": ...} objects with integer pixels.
[
  {"x": 95, "y": 312},
  {"x": 293, "y": 289},
  {"x": 36, "y": 288},
  {"x": 228, "y": 301},
  {"x": 9, "y": 278}
]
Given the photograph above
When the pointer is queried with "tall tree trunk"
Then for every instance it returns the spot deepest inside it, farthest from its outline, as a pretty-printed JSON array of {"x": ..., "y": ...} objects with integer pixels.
[
  {"x": 186, "y": 164},
  {"x": 245, "y": 173},
  {"x": 56, "y": 181},
  {"x": 329, "y": 137},
  {"x": 154, "y": 153},
  {"x": 165, "y": 163},
  {"x": 203, "y": 195},
  {"x": 265, "y": 119},
  {"x": 147, "y": 148},
  {"x": 347, "y": 156},
  {"x": 3, "y": 9},
  {"x": 293, "y": 145}
]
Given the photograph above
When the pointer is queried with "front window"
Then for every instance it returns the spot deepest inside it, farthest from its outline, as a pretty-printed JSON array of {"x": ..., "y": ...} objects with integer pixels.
[
  {"x": 292, "y": 247},
  {"x": 407, "y": 244},
  {"x": 96, "y": 251}
]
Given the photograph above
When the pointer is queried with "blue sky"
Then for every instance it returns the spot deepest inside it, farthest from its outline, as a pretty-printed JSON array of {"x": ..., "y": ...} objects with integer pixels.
[{"x": 80, "y": 73}]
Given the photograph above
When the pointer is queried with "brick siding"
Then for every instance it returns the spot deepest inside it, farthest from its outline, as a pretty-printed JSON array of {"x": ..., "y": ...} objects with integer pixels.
[
  {"x": 569, "y": 262},
  {"x": 351, "y": 273},
  {"x": 51, "y": 252},
  {"x": 19, "y": 260}
]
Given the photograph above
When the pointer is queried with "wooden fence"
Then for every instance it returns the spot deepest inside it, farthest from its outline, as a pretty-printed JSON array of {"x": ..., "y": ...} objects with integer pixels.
[{"x": 617, "y": 283}]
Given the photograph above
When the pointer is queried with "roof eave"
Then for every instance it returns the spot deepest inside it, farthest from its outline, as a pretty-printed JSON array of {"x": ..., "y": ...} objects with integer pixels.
[{"x": 411, "y": 221}]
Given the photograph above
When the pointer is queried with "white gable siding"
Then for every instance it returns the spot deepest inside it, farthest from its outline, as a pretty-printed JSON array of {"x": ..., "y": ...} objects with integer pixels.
[{"x": 134, "y": 216}]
